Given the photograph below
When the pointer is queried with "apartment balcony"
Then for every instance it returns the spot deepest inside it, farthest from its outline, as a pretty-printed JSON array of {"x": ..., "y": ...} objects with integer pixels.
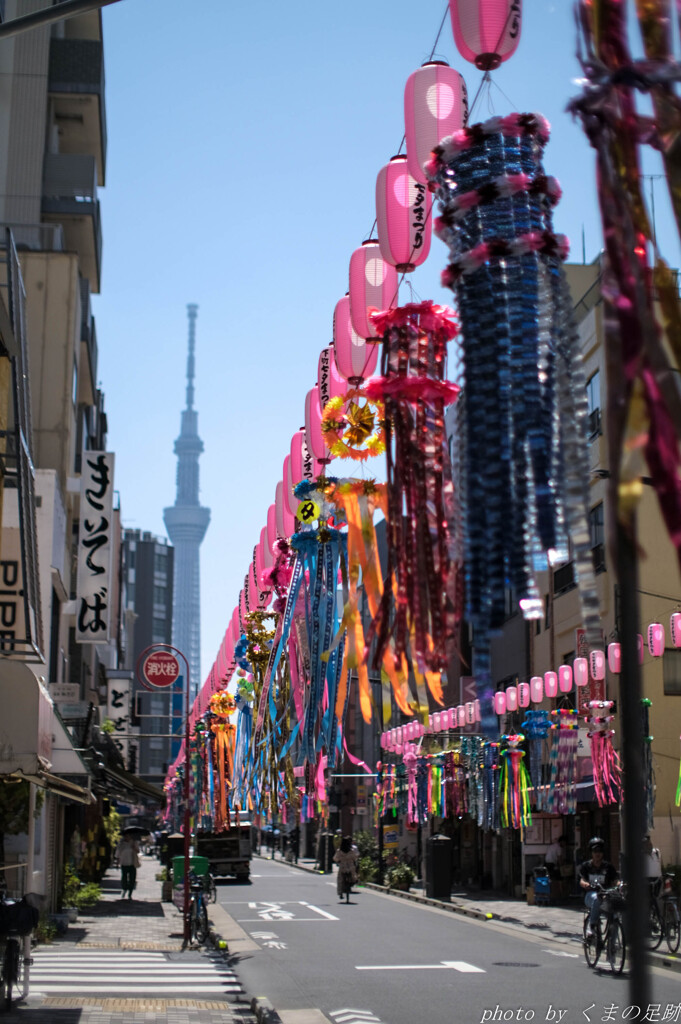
[
  {"x": 70, "y": 199},
  {"x": 87, "y": 377},
  {"x": 76, "y": 88}
]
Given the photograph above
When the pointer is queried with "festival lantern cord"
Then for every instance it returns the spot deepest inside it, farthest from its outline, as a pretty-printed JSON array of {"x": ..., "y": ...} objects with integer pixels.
[{"x": 527, "y": 486}]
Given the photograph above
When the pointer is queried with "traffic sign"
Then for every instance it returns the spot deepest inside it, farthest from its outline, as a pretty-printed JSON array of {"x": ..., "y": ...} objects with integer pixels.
[{"x": 160, "y": 668}]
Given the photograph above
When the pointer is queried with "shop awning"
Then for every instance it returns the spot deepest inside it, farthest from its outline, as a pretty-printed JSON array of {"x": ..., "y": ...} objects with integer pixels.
[{"x": 126, "y": 783}]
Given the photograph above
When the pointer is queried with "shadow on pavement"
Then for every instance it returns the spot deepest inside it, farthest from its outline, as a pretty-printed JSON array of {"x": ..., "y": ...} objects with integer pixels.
[
  {"x": 40, "y": 1015},
  {"x": 125, "y": 908}
]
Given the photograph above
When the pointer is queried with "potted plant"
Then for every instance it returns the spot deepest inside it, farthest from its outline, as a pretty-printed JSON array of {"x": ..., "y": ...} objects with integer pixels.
[
  {"x": 400, "y": 877},
  {"x": 166, "y": 885},
  {"x": 69, "y": 894}
]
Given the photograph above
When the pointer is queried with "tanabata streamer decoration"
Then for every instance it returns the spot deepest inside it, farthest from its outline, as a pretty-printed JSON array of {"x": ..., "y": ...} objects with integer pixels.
[
  {"x": 606, "y": 764},
  {"x": 536, "y": 728},
  {"x": 563, "y": 783},
  {"x": 524, "y": 431},
  {"x": 515, "y": 784},
  {"x": 644, "y": 406},
  {"x": 424, "y": 607}
]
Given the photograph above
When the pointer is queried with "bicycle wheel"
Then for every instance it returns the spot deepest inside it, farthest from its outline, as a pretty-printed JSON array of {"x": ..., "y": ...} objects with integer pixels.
[
  {"x": 211, "y": 890},
  {"x": 193, "y": 922},
  {"x": 592, "y": 945},
  {"x": 672, "y": 926},
  {"x": 617, "y": 947},
  {"x": 653, "y": 936},
  {"x": 201, "y": 923},
  {"x": 10, "y": 970}
]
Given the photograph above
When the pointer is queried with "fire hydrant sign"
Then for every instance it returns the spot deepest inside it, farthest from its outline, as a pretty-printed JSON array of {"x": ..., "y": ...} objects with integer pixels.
[{"x": 160, "y": 668}]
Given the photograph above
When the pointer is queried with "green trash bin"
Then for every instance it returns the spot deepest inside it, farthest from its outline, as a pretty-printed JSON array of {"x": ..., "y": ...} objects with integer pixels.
[{"x": 199, "y": 865}]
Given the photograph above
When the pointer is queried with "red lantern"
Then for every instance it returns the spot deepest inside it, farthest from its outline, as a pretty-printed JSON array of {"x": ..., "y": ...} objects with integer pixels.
[
  {"x": 435, "y": 106},
  {"x": 314, "y": 438},
  {"x": 403, "y": 208},
  {"x": 373, "y": 285},
  {"x": 330, "y": 382},
  {"x": 656, "y": 639},
  {"x": 580, "y": 671},
  {"x": 355, "y": 358},
  {"x": 486, "y": 32},
  {"x": 615, "y": 658}
]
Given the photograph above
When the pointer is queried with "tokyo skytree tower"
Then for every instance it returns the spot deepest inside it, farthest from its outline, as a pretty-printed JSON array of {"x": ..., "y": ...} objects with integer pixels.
[{"x": 186, "y": 522}]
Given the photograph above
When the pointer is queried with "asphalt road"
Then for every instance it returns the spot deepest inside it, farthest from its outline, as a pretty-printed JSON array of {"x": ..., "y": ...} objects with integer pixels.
[{"x": 397, "y": 962}]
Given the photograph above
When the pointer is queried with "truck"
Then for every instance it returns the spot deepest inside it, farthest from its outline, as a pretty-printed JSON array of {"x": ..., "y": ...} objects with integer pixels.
[{"x": 229, "y": 852}]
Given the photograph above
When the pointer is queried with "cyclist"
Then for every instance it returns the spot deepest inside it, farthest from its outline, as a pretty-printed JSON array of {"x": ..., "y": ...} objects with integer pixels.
[
  {"x": 594, "y": 873},
  {"x": 346, "y": 857}
]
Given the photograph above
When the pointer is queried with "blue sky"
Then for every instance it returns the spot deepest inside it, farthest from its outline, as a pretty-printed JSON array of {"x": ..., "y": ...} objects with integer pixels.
[{"x": 244, "y": 143}]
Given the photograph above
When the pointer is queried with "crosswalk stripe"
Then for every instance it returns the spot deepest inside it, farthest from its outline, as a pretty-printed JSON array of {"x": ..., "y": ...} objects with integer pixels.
[{"x": 130, "y": 990}]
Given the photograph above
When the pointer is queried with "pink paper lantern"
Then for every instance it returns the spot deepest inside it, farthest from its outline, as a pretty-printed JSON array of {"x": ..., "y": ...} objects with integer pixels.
[
  {"x": 615, "y": 658},
  {"x": 330, "y": 383},
  {"x": 286, "y": 523},
  {"x": 373, "y": 285},
  {"x": 580, "y": 671},
  {"x": 290, "y": 501},
  {"x": 656, "y": 639},
  {"x": 550, "y": 684},
  {"x": 486, "y": 32},
  {"x": 641, "y": 647},
  {"x": 435, "y": 106},
  {"x": 355, "y": 358},
  {"x": 314, "y": 439},
  {"x": 500, "y": 703},
  {"x": 524, "y": 695},
  {"x": 243, "y": 608},
  {"x": 597, "y": 664},
  {"x": 565, "y": 678},
  {"x": 675, "y": 629},
  {"x": 470, "y": 712},
  {"x": 410, "y": 731},
  {"x": 236, "y": 626},
  {"x": 267, "y": 557},
  {"x": 398, "y": 734},
  {"x": 303, "y": 464},
  {"x": 511, "y": 698},
  {"x": 536, "y": 689},
  {"x": 461, "y": 716},
  {"x": 437, "y": 725},
  {"x": 403, "y": 208},
  {"x": 271, "y": 529},
  {"x": 259, "y": 564},
  {"x": 476, "y": 708}
]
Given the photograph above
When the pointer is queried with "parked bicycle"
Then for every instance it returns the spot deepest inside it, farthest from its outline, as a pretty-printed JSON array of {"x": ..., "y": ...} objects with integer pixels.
[
  {"x": 663, "y": 915},
  {"x": 198, "y": 915},
  {"x": 608, "y": 935},
  {"x": 209, "y": 890},
  {"x": 18, "y": 918}
]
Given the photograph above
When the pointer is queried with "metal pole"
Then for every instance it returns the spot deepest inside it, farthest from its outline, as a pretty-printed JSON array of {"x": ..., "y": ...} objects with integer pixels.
[
  {"x": 636, "y": 911},
  {"x": 66, "y": 9},
  {"x": 187, "y": 924},
  {"x": 30, "y": 863}
]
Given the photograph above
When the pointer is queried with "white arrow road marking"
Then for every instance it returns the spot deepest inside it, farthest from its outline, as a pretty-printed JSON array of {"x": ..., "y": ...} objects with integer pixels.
[
  {"x": 347, "y": 1015},
  {"x": 555, "y": 952},
  {"x": 456, "y": 965},
  {"x": 323, "y": 913}
]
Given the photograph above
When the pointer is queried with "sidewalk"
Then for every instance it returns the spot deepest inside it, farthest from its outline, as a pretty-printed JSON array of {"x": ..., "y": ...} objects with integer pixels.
[{"x": 143, "y": 923}]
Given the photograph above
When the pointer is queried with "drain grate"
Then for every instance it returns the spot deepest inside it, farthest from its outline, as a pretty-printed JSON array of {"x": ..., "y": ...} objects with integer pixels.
[{"x": 512, "y": 963}]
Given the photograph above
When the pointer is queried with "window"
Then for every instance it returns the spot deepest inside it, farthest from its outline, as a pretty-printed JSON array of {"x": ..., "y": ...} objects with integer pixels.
[
  {"x": 160, "y": 560},
  {"x": 671, "y": 672},
  {"x": 593, "y": 401},
  {"x": 160, "y": 595},
  {"x": 547, "y": 612},
  {"x": 160, "y": 630},
  {"x": 597, "y": 537}
]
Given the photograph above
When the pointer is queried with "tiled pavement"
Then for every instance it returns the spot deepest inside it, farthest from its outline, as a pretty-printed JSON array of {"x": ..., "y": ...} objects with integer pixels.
[{"x": 130, "y": 953}]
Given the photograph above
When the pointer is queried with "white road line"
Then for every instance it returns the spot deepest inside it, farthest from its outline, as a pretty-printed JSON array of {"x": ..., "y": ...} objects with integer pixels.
[
  {"x": 311, "y": 906},
  {"x": 445, "y": 965},
  {"x": 279, "y": 920},
  {"x": 164, "y": 988}
]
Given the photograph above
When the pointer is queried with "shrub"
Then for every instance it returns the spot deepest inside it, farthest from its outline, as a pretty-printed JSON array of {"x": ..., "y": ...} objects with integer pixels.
[
  {"x": 400, "y": 877},
  {"x": 366, "y": 843},
  {"x": 367, "y": 869},
  {"x": 45, "y": 930},
  {"x": 88, "y": 895},
  {"x": 75, "y": 894}
]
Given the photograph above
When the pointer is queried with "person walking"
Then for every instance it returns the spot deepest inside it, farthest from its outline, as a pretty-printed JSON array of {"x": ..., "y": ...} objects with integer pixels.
[
  {"x": 346, "y": 857},
  {"x": 127, "y": 853}
]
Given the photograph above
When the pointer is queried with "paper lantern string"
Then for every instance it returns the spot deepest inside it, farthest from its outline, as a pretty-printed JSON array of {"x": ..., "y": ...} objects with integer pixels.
[
  {"x": 418, "y": 607},
  {"x": 527, "y": 485}
]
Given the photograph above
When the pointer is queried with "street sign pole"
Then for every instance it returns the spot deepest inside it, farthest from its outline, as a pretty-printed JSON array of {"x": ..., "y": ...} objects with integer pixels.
[{"x": 157, "y": 666}]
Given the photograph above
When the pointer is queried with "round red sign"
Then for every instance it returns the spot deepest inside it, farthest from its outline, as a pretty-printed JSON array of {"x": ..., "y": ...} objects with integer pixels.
[{"x": 160, "y": 668}]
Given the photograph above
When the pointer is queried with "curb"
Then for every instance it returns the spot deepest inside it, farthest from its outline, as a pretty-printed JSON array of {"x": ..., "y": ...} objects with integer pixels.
[
  {"x": 428, "y": 901},
  {"x": 264, "y": 1011}
]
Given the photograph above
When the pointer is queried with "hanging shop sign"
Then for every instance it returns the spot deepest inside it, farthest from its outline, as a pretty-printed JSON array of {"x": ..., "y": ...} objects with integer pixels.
[{"x": 94, "y": 587}]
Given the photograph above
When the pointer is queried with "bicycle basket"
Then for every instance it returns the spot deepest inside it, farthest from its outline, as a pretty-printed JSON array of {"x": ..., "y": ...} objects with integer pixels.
[
  {"x": 19, "y": 917},
  {"x": 614, "y": 899}
]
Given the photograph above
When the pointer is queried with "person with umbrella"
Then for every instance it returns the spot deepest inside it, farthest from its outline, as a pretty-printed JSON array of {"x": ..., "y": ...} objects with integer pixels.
[{"x": 127, "y": 853}]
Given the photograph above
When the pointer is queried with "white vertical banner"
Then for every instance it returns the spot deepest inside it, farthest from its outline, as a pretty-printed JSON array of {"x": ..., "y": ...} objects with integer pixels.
[
  {"x": 94, "y": 586},
  {"x": 118, "y": 702}
]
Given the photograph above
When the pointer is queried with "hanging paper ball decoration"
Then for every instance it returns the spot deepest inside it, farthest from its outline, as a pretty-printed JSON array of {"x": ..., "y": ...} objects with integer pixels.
[
  {"x": 222, "y": 704},
  {"x": 550, "y": 684},
  {"x": 597, "y": 664},
  {"x": 565, "y": 678},
  {"x": 435, "y": 105},
  {"x": 403, "y": 216},
  {"x": 656, "y": 639},
  {"x": 536, "y": 689},
  {"x": 373, "y": 285},
  {"x": 356, "y": 358},
  {"x": 615, "y": 658},
  {"x": 580, "y": 671},
  {"x": 486, "y": 32},
  {"x": 675, "y": 629}
]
